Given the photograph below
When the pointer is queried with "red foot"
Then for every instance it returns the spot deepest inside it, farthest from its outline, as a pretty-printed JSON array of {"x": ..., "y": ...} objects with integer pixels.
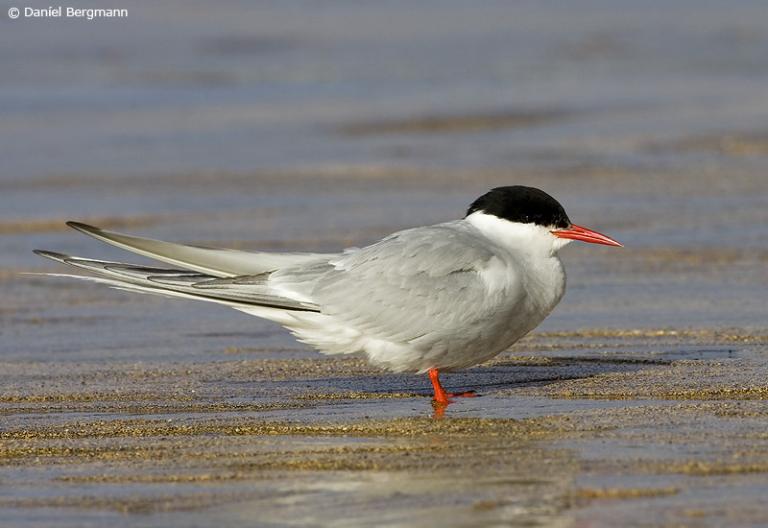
[
  {"x": 442, "y": 397},
  {"x": 466, "y": 394}
]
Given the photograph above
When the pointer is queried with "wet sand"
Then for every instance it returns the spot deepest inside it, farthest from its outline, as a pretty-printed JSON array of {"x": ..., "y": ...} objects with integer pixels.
[
  {"x": 641, "y": 401},
  {"x": 587, "y": 427}
]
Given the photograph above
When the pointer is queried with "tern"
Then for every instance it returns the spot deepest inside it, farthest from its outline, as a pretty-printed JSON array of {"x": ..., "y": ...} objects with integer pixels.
[{"x": 424, "y": 300}]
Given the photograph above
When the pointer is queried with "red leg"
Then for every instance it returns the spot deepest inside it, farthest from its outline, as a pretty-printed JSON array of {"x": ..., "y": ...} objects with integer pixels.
[{"x": 441, "y": 396}]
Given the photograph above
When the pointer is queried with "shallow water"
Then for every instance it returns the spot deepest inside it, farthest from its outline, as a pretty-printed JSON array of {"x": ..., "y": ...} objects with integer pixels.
[{"x": 318, "y": 126}]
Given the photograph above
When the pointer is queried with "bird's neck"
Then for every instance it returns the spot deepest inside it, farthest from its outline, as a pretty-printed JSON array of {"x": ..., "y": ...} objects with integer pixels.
[
  {"x": 528, "y": 242},
  {"x": 531, "y": 249}
]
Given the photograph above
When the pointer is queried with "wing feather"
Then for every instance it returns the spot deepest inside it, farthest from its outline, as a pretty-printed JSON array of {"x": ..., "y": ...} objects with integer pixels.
[
  {"x": 245, "y": 291},
  {"x": 422, "y": 283},
  {"x": 216, "y": 262}
]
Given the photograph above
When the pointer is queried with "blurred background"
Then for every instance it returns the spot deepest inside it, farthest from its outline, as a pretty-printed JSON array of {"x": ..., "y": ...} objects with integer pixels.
[{"x": 320, "y": 125}]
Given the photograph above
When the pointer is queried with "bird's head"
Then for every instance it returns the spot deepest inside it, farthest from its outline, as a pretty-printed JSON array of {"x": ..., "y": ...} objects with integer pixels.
[{"x": 529, "y": 220}]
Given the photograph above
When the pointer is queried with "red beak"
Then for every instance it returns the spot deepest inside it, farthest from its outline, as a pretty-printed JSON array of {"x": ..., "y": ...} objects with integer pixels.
[{"x": 585, "y": 235}]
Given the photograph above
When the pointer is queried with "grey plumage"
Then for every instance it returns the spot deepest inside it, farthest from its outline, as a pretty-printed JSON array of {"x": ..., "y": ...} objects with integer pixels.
[
  {"x": 216, "y": 262},
  {"x": 164, "y": 281},
  {"x": 405, "y": 288},
  {"x": 444, "y": 296}
]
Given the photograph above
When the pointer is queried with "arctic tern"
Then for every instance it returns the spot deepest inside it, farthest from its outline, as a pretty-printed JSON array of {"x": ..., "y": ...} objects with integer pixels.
[{"x": 428, "y": 299}]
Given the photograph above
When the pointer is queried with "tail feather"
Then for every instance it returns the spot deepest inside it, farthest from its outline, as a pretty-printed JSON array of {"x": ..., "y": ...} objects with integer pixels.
[{"x": 250, "y": 292}]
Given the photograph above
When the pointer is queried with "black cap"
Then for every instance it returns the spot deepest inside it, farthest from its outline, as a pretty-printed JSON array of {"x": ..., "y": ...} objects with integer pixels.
[{"x": 517, "y": 203}]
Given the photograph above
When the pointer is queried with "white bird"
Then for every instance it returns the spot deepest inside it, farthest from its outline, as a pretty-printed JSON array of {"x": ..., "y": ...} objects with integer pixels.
[{"x": 428, "y": 299}]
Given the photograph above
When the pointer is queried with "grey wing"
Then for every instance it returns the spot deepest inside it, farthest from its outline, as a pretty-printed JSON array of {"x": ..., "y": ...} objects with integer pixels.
[
  {"x": 417, "y": 284},
  {"x": 238, "y": 292},
  {"x": 216, "y": 262}
]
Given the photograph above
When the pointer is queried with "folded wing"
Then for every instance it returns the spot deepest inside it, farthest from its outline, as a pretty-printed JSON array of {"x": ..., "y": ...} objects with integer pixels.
[
  {"x": 215, "y": 262},
  {"x": 417, "y": 286}
]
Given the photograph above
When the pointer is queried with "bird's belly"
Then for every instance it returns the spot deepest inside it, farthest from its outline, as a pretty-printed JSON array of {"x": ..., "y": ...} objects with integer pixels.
[
  {"x": 456, "y": 348},
  {"x": 449, "y": 348},
  {"x": 489, "y": 341},
  {"x": 508, "y": 323}
]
